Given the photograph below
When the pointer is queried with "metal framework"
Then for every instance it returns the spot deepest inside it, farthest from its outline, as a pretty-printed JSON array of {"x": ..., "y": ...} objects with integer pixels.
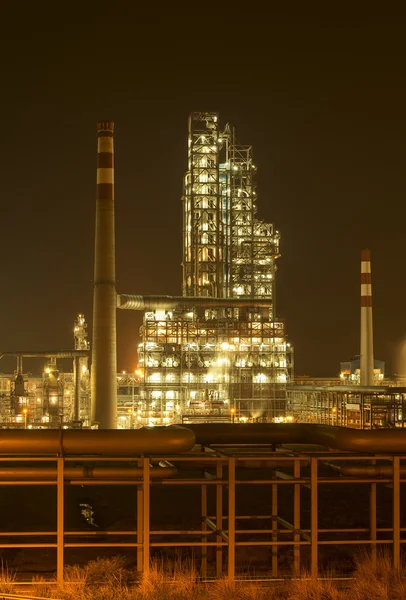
[
  {"x": 55, "y": 398},
  {"x": 360, "y": 407},
  {"x": 222, "y": 363},
  {"x": 296, "y": 491}
]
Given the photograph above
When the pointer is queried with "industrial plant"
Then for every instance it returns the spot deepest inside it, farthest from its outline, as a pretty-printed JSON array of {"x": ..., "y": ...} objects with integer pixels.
[
  {"x": 218, "y": 352},
  {"x": 211, "y": 414},
  {"x": 219, "y": 349}
]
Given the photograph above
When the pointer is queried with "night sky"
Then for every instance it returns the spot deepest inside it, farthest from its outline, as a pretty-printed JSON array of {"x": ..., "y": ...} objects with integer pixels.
[{"x": 322, "y": 103}]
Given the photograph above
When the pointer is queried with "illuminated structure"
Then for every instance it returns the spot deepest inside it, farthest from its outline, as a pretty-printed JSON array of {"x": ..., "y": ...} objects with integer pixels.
[
  {"x": 218, "y": 352},
  {"x": 55, "y": 398}
]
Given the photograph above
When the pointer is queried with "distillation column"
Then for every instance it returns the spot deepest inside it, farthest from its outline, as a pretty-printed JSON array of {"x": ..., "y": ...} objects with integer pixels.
[
  {"x": 104, "y": 350},
  {"x": 367, "y": 340}
]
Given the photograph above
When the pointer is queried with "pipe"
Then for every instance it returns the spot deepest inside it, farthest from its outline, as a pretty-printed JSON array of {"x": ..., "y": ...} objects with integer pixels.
[
  {"x": 47, "y": 353},
  {"x": 245, "y": 463},
  {"x": 136, "y": 302},
  {"x": 124, "y": 442},
  {"x": 367, "y": 339},
  {"x": 391, "y": 441},
  {"x": 41, "y": 473},
  {"x": 366, "y": 470},
  {"x": 104, "y": 350}
]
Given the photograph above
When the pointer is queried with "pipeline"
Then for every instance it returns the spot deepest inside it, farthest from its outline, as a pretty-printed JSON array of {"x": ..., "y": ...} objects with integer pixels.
[
  {"x": 176, "y": 439},
  {"x": 148, "y": 440},
  {"x": 136, "y": 302},
  {"x": 391, "y": 441},
  {"x": 366, "y": 470},
  {"x": 47, "y": 354},
  {"x": 251, "y": 464},
  {"x": 112, "y": 473}
]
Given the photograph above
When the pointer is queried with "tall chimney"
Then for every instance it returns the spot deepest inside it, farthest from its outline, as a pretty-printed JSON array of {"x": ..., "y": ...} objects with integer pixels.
[
  {"x": 367, "y": 340},
  {"x": 104, "y": 351}
]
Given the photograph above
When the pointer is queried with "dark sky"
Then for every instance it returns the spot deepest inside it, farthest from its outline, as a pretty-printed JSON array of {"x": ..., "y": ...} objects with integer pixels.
[{"x": 321, "y": 100}]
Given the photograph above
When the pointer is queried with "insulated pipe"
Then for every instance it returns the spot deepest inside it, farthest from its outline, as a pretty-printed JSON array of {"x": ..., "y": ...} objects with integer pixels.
[
  {"x": 367, "y": 340},
  {"x": 47, "y": 473},
  {"x": 135, "y": 302},
  {"x": 124, "y": 442},
  {"x": 366, "y": 470},
  {"x": 391, "y": 441},
  {"x": 104, "y": 351}
]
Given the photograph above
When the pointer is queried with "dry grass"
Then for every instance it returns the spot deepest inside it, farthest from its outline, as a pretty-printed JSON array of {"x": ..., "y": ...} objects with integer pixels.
[
  {"x": 382, "y": 583},
  {"x": 7, "y": 580},
  {"x": 110, "y": 579}
]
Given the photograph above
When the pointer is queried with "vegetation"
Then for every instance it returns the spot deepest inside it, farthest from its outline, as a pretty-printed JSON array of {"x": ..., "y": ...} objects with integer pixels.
[{"x": 110, "y": 579}]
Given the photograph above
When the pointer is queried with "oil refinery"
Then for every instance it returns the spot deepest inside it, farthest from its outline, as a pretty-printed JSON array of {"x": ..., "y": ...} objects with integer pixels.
[{"x": 218, "y": 352}]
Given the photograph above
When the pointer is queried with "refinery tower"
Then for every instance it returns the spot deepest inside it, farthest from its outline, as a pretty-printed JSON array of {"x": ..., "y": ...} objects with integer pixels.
[{"x": 217, "y": 352}]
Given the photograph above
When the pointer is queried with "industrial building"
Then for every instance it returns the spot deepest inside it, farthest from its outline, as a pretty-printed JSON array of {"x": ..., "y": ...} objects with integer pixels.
[{"x": 219, "y": 351}]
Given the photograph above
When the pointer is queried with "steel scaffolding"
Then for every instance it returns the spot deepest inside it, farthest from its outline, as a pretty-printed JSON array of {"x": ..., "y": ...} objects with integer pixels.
[
  {"x": 295, "y": 531},
  {"x": 221, "y": 363}
]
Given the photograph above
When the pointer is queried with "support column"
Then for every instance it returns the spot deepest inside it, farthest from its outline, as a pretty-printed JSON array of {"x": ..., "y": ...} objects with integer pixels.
[
  {"x": 274, "y": 527},
  {"x": 146, "y": 515},
  {"x": 140, "y": 522},
  {"x": 296, "y": 518},
  {"x": 204, "y": 530},
  {"x": 219, "y": 520},
  {"x": 396, "y": 512},
  {"x": 372, "y": 519},
  {"x": 60, "y": 526},
  {"x": 231, "y": 520},
  {"x": 314, "y": 517}
]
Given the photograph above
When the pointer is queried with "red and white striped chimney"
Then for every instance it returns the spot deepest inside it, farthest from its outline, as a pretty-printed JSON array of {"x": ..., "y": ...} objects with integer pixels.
[
  {"x": 367, "y": 340},
  {"x": 104, "y": 352}
]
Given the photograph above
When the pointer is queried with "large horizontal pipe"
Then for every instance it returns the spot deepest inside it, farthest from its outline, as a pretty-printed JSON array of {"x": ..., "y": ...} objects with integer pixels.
[
  {"x": 147, "y": 440},
  {"x": 47, "y": 353},
  {"x": 46, "y": 473},
  {"x": 392, "y": 441},
  {"x": 135, "y": 302}
]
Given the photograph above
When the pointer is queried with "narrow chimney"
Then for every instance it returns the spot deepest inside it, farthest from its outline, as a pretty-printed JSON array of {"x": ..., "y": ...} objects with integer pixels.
[
  {"x": 104, "y": 351},
  {"x": 367, "y": 341}
]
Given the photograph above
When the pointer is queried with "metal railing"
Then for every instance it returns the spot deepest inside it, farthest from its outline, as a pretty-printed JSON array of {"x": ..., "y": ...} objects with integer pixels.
[{"x": 291, "y": 529}]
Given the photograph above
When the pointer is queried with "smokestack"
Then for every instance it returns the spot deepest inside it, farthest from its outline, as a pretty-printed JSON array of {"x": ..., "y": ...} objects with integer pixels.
[
  {"x": 104, "y": 351},
  {"x": 367, "y": 341}
]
